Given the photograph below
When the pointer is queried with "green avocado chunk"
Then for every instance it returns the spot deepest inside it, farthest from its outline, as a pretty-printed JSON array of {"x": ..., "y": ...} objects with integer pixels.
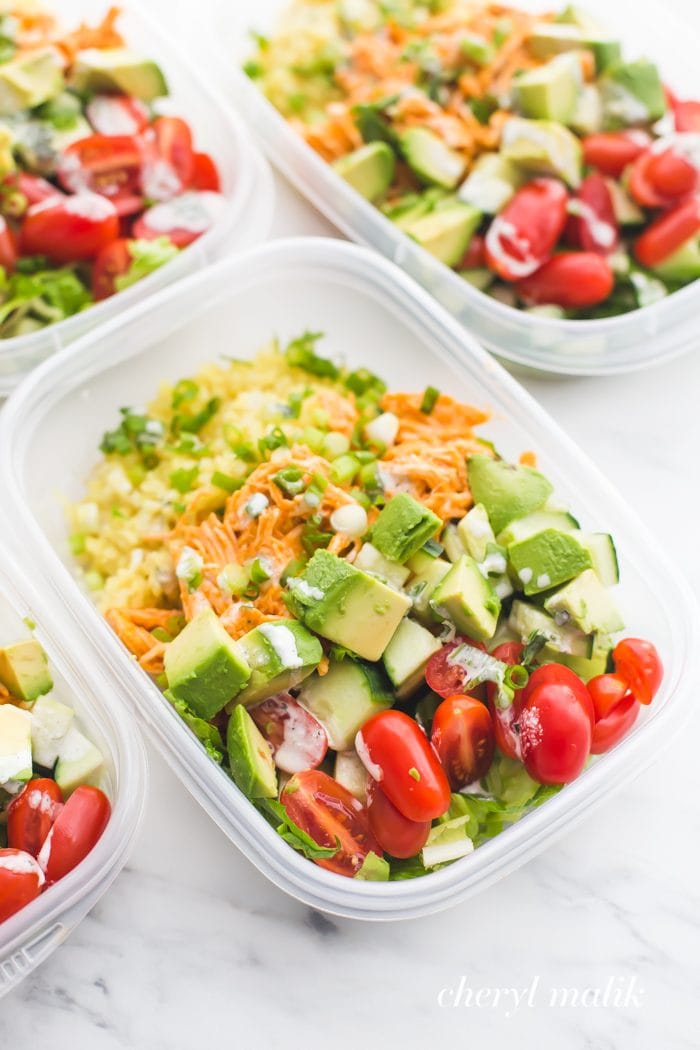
[
  {"x": 369, "y": 169},
  {"x": 402, "y": 528},
  {"x": 683, "y": 264},
  {"x": 105, "y": 70},
  {"x": 588, "y": 603},
  {"x": 446, "y": 233},
  {"x": 79, "y": 762},
  {"x": 506, "y": 491},
  {"x": 431, "y": 159},
  {"x": 632, "y": 94},
  {"x": 204, "y": 666},
  {"x": 250, "y": 757},
  {"x": 543, "y": 147},
  {"x": 468, "y": 599},
  {"x": 550, "y": 91},
  {"x": 547, "y": 559},
  {"x": 347, "y": 606},
  {"x": 281, "y": 654},
  {"x": 29, "y": 79},
  {"x": 24, "y": 670},
  {"x": 491, "y": 183}
]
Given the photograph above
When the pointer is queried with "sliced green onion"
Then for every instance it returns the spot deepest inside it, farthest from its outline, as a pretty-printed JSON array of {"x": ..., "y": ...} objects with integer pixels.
[
  {"x": 290, "y": 480},
  {"x": 433, "y": 549},
  {"x": 335, "y": 445},
  {"x": 77, "y": 543},
  {"x": 183, "y": 391},
  {"x": 234, "y": 579},
  {"x": 183, "y": 480},
  {"x": 260, "y": 570},
  {"x": 275, "y": 439},
  {"x": 344, "y": 469},
  {"x": 226, "y": 481},
  {"x": 430, "y": 396},
  {"x": 516, "y": 677},
  {"x": 293, "y": 568}
]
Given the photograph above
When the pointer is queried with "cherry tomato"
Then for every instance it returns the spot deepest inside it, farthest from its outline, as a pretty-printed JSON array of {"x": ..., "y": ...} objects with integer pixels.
[
  {"x": 395, "y": 833},
  {"x": 75, "y": 831},
  {"x": 30, "y": 815},
  {"x": 611, "y": 151},
  {"x": 111, "y": 262},
  {"x": 616, "y": 724},
  {"x": 463, "y": 736},
  {"x": 326, "y": 811},
  {"x": 116, "y": 114},
  {"x": 106, "y": 164},
  {"x": 668, "y": 232},
  {"x": 69, "y": 228},
  {"x": 526, "y": 232},
  {"x": 475, "y": 255},
  {"x": 555, "y": 734},
  {"x": 174, "y": 144},
  {"x": 33, "y": 187},
  {"x": 687, "y": 115},
  {"x": 21, "y": 881},
  {"x": 639, "y": 663},
  {"x": 443, "y": 677},
  {"x": 570, "y": 280},
  {"x": 606, "y": 691},
  {"x": 559, "y": 674},
  {"x": 662, "y": 179},
  {"x": 297, "y": 739},
  {"x": 205, "y": 174},
  {"x": 183, "y": 219},
  {"x": 593, "y": 226},
  {"x": 8, "y": 247},
  {"x": 505, "y": 719},
  {"x": 396, "y": 753}
]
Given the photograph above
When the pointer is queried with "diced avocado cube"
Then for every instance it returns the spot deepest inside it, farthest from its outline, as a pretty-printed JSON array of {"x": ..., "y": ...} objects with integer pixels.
[
  {"x": 586, "y": 667},
  {"x": 431, "y": 159},
  {"x": 402, "y": 528},
  {"x": 15, "y": 744},
  {"x": 522, "y": 528},
  {"x": 475, "y": 532},
  {"x": 250, "y": 757},
  {"x": 429, "y": 572},
  {"x": 344, "y": 698},
  {"x": 407, "y": 654},
  {"x": 24, "y": 670},
  {"x": 526, "y": 620},
  {"x": 479, "y": 277},
  {"x": 683, "y": 265},
  {"x": 601, "y": 547},
  {"x": 505, "y": 490},
  {"x": 79, "y": 762},
  {"x": 477, "y": 49},
  {"x": 350, "y": 772},
  {"x": 51, "y": 721},
  {"x": 204, "y": 666},
  {"x": 373, "y": 869},
  {"x": 547, "y": 559},
  {"x": 347, "y": 606},
  {"x": 468, "y": 599},
  {"x": 371, "y": 561},
  {"x": 553, "y": 38},
  {"x": 446, "y": 233},
  {"x": 550, "y": 91},
  {"x": 30, "y": 78},
  {"x": 632, "y": 94},
  {"x": 543, "y": 147},
  {"x": 588, "y": 603},
  {"x": 369, "y": 169},
  {"x": 106, "y": 70},
  {"x": 587, "y": 117},
  {"x": 491, "y": 183},
  {"x": 280, "y": 655}
]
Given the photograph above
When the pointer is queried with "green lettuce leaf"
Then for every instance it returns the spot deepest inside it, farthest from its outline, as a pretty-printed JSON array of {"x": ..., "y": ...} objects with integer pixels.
[
  {"x": 146, "y": 256},
  {"x": 276, "y": 815}
]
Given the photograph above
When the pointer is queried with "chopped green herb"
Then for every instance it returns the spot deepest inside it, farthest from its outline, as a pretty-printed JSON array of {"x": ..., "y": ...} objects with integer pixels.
[
  {"x": 313, "y": 537},
  {"x": 135, "y": 433},
  {"x": 192, "y": 424},
  {"x": 301, "y": 353},
  {"x": 430, "y": 396},
  {"x": 413, "y": 772},
  {"x": 183, "y": 480},
  {"x": 290, "y": 480},
  {"x": 275, "y": 439},
  {"x": 185, "y": 390},
  {"x": 226, "y": 482}
]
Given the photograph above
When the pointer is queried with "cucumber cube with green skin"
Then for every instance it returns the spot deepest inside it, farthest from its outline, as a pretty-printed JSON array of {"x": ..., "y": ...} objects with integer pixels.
[
  {"x": 431, "y": 159},
  {"x": 586, "y": 667},
  {"x": 601, "y": 547},
  {"x": 506, "y": 491},
  {"x": 407, "y": 654},
  {"x": 587, "y": 117},
  {"x": 15, "y": 744},
  {"x": 531, "y": 524},
  {"x": 526, "y": 620},
  {"x": 553, "y": 38},
  {"x": 543, "y": 147},
  {"x": 402, "y": 528},
  {"x": 369, "y": 169},
  {"x": 550, "y": 91},
  {"x": 51, "y": 721},
  {"x": 204, "y": 666},
  {"x": 587, "y": 603},
  {"x": 109, "y": 70},
  {"x": 250, "y": 757},
  {"x": 371, "y": 561},
  {"x": 547, "y": 559},
  {"x": 454, "y": 548},
  {"x": 280, "y": 654},
  {"x": 79, "y": 762},
  {"x": 344, "y": 698},
  {"x": 475, "y": 532},
  {"x": 347, "y": 606},
  {"x": 632, "y": 94},
  {"x": 468, "y": 600},
  {"x": 683, "y": 265},
  {"x": 24, "y": 670},
  {"x": 446, "y": 232},
  {"x": 350, "y": 772},
  {"x": 431, "y": 571}
]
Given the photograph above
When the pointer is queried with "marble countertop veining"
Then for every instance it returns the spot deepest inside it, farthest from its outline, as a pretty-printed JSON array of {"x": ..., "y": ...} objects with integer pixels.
[{"x": 191, "y": 946}]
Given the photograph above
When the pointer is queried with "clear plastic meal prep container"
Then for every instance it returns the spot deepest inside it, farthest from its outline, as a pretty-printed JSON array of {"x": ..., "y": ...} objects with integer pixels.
[
  {"x": 643, "y": 338},
  {"x": 88, "y": 685},
  {"x": 245, "y": 176},
  {"x": 372, "y": 315}
]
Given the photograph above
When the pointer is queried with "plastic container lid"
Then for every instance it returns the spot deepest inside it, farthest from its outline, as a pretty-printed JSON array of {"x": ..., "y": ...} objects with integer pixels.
[
  {"x": 83, "y": 682},
  {"x": 643, "y": 338},
  {"x": 245, "y": 175},
  {"x": 373, "y": 315}
]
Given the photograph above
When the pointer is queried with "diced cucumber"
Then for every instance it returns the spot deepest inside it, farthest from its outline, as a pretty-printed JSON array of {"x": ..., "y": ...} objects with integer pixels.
[
  {"x": 601, "y": 548},
  {"x": 450, "y": 539},
  {"x": 421, "y": 586},
  {"x": 350, "y": 772},
  {"x": 344, "y": 698},
  {"x": 523, "y": 528},
  {"x": 370, "y": 560},
  {"x": 587, "y": 603},
  {"x": 475, "y": 532},
  {"x": 407, "y": 654}
]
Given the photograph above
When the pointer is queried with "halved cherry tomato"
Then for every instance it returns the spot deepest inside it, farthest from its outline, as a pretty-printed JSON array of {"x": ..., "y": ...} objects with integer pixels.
[
  {"x": 183, "y": 219},
  {"x": 526, "y": 232},
  {"x": 396, "y": 753},
  {"x": 662, "y": 179},
  {"x": 571, "y": 280},
  {"x": 21, "y": 881},
  {"x": 668, "y": 232},
  {"x": 593, "y": 226},
  {"x": 75, "y": 831},
  {"x": 106, "y": 164},
  {"x": 205, "y": 174},
  {"x": 616, "y": 724},
  {"x": 559, "y": 674},
  {"x": 30, "y": 815},
  {"x": 174, "y": 144},
  {"x": 606, "y": 691},
  {"x": 298, "y": 740},
  {"x": 443, "y": 677},
  {"x": 33, "y": 187},
  {"x": 639, "y": 663},
  {"x": 111, "y": 262},
  {"x": 475, "y": 255},
  {"x": 505, "y": 720},
  {"x": 326, "y": 811},
  {"x": 69, "y": 228},
  {"x": 555, "y": 734},
  {"x": 116, "y": 114},
  {"x": 395, "y": 833},
  {"x": 463, "y": 736},
  {"x": 687, "y": 115},
  {"x": 8, "y": 247},
  {"x": 611, "y": 151}
]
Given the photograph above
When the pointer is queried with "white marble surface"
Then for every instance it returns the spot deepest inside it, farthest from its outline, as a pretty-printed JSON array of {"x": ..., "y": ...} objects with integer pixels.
[{"x": 192, "y": 946}]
